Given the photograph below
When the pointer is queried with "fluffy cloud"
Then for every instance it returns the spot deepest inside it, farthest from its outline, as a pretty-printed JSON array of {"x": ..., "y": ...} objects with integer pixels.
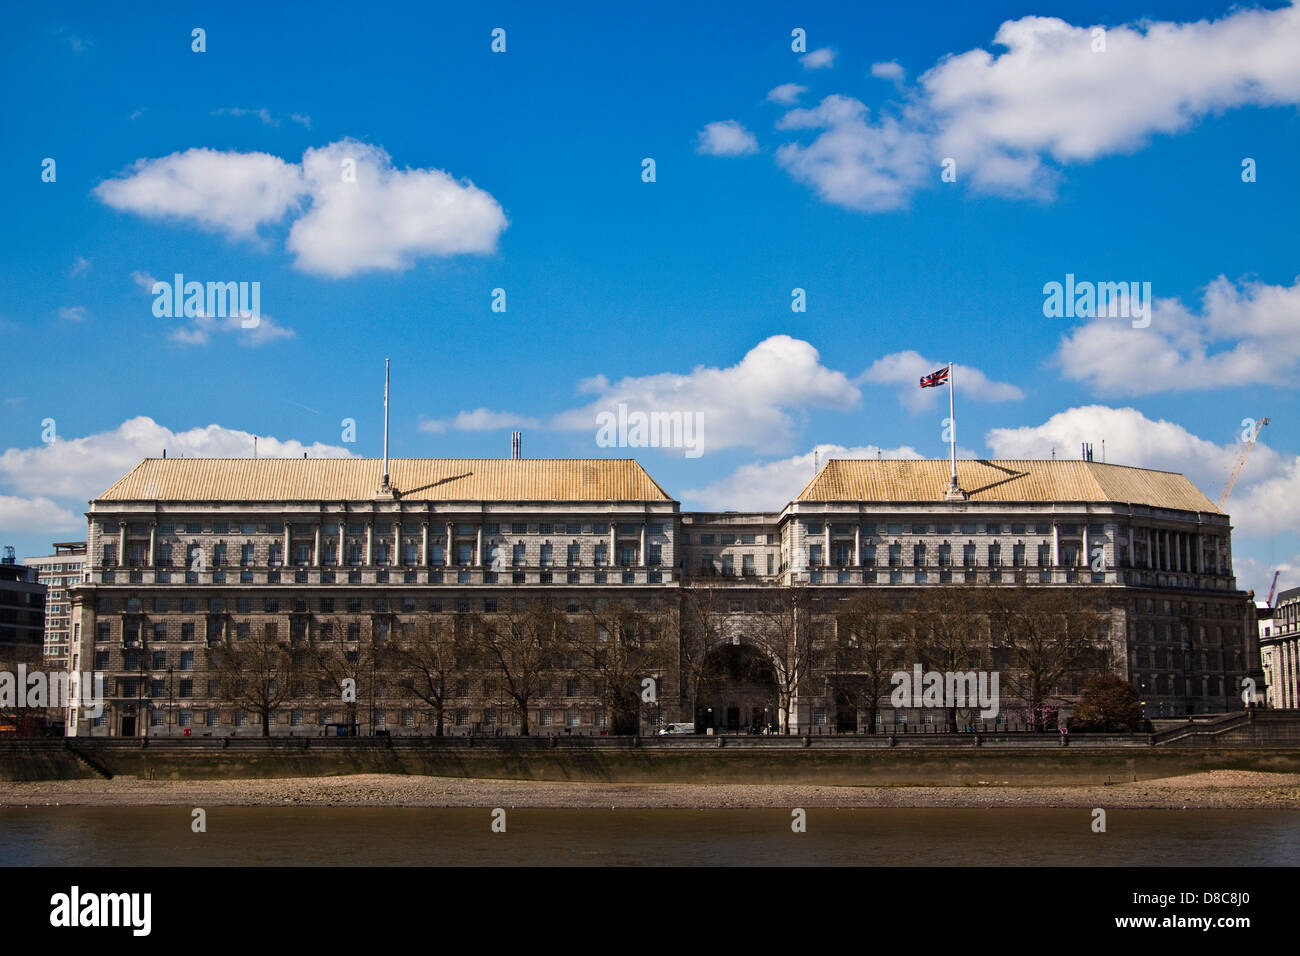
[
  {"x": 818, "y": 59},
  {"x": 479, "y": 420},
  {"x": 36, "y": 515},
  {"x": 906, "y": 368},
  {"x": 742, "y": 405},
  {"x": 1051, "y": 95},
  {"x": 384, "y": 220},
  {"x": 787, "y": 94},
  {"x": 72, "y": 313},
  {"x": 81, "y": 468},
  {"x": 388, "y": 217},
  {"x": 726, "y": 138},
  {"x": 853, "y": 162},
  {"x": 888, "y": 71},
  {"x": 767, "y": 486},
  {"x": 233, "y": 193},
  {"x": 1243, "y": 334},
  {"x": 1010, "y": 119}
]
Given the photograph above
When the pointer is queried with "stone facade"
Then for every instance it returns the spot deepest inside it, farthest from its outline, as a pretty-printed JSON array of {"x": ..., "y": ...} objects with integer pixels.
[{"x": 184, "y": 555}]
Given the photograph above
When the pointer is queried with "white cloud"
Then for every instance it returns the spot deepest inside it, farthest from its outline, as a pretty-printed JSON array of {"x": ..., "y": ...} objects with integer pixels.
[
  {"x": 265, "y": 116},
  {"x": 742, "y": 405},
  {"x": 1244, "y": 334},
  {"x": 201, "y": 329},
  {"x": 818, "y": 59},
  {"x": 479, "y": 420},
  {"x": 144, "y": 280},
  {"x": 37, "y": 514},
  {"x": 726, "y": 138},
  {"x": 1051, "y": 95},
  {"x": 767, "y": 486},
  {"x": 1256, "y": 575},
  {"x": 853, "y": 162},
  {"x": 80, "y": 266},
  {"x": 888, "y": 71},
  {"x": 72, "y": 313},
  {"x": 906, "y": 368},
  {"x": 388, "y": 217},
  {"x": 228, "y": 192},
  {"x": 1012, "y": 118},
  {"x": 81, "y": 468},
  {"x": 787, "y": 94},
  {"x": 1258, "y": 503},
  {"x": 384, "y": 220}
]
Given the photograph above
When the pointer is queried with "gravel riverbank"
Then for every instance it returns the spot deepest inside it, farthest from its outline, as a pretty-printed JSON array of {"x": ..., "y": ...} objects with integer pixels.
[{"x": 1218, "y": 789}]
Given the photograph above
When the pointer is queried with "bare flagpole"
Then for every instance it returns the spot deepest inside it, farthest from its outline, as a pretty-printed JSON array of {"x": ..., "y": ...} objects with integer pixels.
[
  {"x": 952, "y": 426},
  {"x": 385, "y": 423}
]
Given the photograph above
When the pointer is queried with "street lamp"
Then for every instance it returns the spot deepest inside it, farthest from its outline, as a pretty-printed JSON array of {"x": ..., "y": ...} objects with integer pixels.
[{"x": 169, "y": 701}]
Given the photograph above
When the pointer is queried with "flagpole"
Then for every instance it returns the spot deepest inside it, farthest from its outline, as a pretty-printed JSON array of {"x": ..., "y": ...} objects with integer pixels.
[{"x": 952, "y": 425}]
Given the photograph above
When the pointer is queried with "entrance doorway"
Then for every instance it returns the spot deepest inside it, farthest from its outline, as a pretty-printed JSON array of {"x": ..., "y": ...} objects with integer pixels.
[
  {"x": 128, "y": 725},
  {"x": 736, "y": 692}
]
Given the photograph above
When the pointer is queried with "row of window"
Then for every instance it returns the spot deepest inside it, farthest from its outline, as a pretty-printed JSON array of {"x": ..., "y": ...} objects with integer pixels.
[
  {"x": 867, "y": 528},
  {"x": 170, "y": 529},
  {"x": 842, "y": 555},
  {"x": 329, "y": 605},
  {"x": 198, "y": 559}
]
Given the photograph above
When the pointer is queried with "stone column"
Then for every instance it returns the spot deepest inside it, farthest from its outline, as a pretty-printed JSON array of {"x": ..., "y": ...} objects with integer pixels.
[
  {"x": 315, "y": 548},
  {"x": 478, "y": 545},
  {"x": 397, "y": 543},
  {"x": 449, "y": 557},
  {"x": 286, "y": 557},
  {"x": 826, "y": 544},
  {"x": 857, "y": 545},
  {"x": 1087, "y": 548},
  {"x": 153, "y": 540},
  {"x": 424, "y": 544},
  {"x": 370, "y": 543},
  {"x": 121, "y": 544},
  {"x": 642, "y": 555},
  {"x": 613, "y": 544},
  {"x": 1056, "y": 545}
]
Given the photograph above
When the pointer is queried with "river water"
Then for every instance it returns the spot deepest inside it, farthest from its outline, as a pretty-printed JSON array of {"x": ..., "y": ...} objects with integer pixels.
[{"x": 331, "y": 836}]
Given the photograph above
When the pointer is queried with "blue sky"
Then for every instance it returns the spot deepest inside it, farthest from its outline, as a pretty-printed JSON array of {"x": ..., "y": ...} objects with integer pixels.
[{"x": 522, "y": 171}]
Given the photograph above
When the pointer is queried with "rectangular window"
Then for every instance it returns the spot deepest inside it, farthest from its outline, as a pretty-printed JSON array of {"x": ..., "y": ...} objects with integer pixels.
[
  {"x": 574, "y": 555},
  {"x": 814, "y": 556}
]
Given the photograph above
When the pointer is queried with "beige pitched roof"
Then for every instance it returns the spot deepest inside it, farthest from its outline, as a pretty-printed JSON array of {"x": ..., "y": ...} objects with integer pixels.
[
  {"x": 357, "y": 479},
  {"x": 1003, "y": 480}
]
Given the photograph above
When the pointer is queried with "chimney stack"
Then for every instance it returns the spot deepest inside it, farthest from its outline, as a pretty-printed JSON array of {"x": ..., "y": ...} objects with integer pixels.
[{"x": 516, "y": 444}]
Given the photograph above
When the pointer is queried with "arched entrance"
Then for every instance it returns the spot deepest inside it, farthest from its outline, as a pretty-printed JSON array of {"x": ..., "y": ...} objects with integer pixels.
[{"x": 737, "y": 692}]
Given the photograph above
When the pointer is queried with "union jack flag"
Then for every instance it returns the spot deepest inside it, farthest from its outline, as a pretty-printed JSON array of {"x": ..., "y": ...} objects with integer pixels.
[{"x": 935, "y": 379}]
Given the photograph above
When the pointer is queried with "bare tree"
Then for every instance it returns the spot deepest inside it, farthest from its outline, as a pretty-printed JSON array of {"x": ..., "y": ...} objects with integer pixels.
[
  {"x": 618, "y": 646},
  {"x": 700, "y": 629},
  {"x": 948, "y": 632},
  {"x": 784, "y": 634},
  {"x": 427, "y": 661},
  {"x": 522, "y": 644},
  {"x": 1049, "y": 640},
  {"x": 868, "y": 643},
  {"x": 344, "y": 667},
  {"x": 257, "y": 673}
]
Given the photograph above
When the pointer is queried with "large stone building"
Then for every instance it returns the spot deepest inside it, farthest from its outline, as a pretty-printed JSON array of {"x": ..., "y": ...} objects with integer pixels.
[
  {"x": 58, "y": 571},
  {"x": 185, "y": 554},
  {"x": 1279, "y": 644}
]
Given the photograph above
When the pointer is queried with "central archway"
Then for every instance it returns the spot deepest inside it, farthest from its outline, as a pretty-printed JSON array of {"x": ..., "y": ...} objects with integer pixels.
[{"x": 737, "y": 692}]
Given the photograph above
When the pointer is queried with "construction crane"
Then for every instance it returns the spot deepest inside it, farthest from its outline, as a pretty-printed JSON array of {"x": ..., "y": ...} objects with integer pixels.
[
  {"x": 1241, "y": 462},
  {"x": 1273, "y": 587}
]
